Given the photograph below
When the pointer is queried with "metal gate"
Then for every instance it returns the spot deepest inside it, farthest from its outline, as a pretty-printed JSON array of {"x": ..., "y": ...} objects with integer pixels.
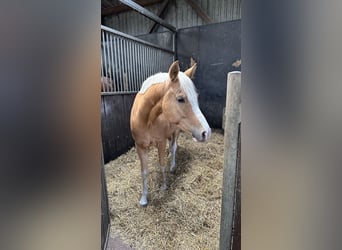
[{"x": 127, "y": 61}]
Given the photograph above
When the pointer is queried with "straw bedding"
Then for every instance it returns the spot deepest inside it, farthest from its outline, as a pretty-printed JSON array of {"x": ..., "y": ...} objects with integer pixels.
[{"x": 187, "y": 215}]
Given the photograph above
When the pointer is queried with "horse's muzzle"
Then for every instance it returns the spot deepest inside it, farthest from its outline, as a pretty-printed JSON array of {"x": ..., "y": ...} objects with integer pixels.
[{"x": 201, "y": 136}]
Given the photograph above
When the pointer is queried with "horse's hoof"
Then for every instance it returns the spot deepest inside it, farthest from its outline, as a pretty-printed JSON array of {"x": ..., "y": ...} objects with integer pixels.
[
  {"x": 143, "y": 202},
  {"x": 173, "y": 171}
]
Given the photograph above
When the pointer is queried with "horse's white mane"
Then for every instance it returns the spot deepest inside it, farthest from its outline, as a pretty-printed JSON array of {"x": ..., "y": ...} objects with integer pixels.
[
  {"x": 157, "y": 78},
  {"x": 185, "y": 83}
]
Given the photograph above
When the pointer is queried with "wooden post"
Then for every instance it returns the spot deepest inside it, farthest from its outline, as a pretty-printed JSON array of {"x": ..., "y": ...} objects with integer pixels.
[
  {"x": 230, "y": 153},
  {"x": 105, "y": 215}
]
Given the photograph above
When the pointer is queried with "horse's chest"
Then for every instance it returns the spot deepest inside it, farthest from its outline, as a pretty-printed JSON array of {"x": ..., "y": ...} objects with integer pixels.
[
  {"x": 156, "y": 133},
  {"x": 162, "y": 128}
]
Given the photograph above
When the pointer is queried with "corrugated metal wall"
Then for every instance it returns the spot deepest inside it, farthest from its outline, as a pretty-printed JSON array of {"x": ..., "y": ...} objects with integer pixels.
[{"x": 179, "y": 14}]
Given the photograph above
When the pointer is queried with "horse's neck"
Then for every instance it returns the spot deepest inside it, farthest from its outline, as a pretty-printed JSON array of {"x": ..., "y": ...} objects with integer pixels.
[{"x": 152, "y": 102}]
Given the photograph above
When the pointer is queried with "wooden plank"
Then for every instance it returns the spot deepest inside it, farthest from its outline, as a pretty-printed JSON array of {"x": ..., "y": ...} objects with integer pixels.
[
  {"x": 200, "y": 11},
  {"x": 236, "y": 238},
  {"x": 107, "y": 3},
  {"x": 128, "y": 103},
  {"x": 109, "y": 126},
  {"x": 122, "y": 7},
  {"x": 161, "y": 14},
  {"x": 105, "y": 216},
  {"x": 115, "y": 125},
  {"x": 148, "y": 14},
  {"x": 233, "y": 100}
]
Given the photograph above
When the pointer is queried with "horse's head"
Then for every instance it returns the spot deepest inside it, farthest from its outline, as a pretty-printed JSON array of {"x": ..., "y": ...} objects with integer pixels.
[{"x": 180, "y": 103}]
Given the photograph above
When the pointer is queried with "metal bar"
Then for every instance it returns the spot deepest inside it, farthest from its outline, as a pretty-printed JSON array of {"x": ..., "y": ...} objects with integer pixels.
[
  {"x": 119, "y": 93},
  {"x": 127, "y": 65},
  {"x": 129, "y": 75},
  {"x": 144, "y": 64},
  {"x": 148, "y": 61},
  {"x": 160, "y": 60},
  {"x": 148, "y": 14},
  {"x": 134, "y": 39},
  {"x": 132, "y": 65},
  {"x": 104, "y": 53},
  {"x": 135, "y": 61},
  {"x": 139, "y": 65},
  {"x": 231, "y": 131},
  {"x": 124, "y": 60},
  {"x": 116, "y": 62},
  {"x": 112, "y": 61},
  {"x": 121, "y": 65},
  {"x": 108, "y": 62},
  {"x": 101, "y": 64},
  {"x": 130, "y": 70},
  {"x": 155, "y": 65}
]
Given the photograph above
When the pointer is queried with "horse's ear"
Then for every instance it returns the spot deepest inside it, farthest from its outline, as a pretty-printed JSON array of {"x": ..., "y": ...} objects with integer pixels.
[
  {"x": 174, "y": 70},
  {"x": 190, "y": 72}
]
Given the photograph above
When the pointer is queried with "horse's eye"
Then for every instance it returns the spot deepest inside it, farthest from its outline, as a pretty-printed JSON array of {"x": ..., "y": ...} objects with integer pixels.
[{"x": 180, "y": 99}]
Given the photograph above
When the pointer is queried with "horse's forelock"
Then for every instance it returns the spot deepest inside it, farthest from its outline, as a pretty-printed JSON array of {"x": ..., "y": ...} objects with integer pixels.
[{"x": 189, "y": 89}]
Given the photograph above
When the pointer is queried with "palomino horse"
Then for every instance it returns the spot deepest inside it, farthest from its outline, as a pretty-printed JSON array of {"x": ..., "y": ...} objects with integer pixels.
[{"x": 165, "y": 104}]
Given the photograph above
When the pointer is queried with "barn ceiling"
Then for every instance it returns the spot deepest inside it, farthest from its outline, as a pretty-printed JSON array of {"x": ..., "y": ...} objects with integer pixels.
[{"x": 111, "y": 7}]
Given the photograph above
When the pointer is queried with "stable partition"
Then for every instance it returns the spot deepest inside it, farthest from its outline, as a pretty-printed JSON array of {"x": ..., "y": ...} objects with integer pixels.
[
  {"x": 126, "y": 61},
  {"x": 217, "y": 50}
]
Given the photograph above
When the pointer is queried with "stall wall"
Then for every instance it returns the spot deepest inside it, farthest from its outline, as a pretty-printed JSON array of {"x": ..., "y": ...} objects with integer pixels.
[
  {"x": 115, "y": 129},
  {"x": 215, "y": 48},
  {"x": 179, "y": 14}
]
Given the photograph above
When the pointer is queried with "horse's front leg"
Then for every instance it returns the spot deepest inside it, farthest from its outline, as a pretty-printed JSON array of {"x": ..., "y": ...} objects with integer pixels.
[
  {"x": 162, "y": 162},
  {"x": 143, "y": 156},
  {"x": 173, "y": 148}
]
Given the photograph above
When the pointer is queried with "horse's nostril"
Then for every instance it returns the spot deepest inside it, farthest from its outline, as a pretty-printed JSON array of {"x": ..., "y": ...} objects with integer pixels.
[{"x": 204, "y": 134}]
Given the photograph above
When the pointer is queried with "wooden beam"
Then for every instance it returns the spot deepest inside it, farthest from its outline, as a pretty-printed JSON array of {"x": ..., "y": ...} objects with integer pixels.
[
  {"x": 160, "y": 14},
  {"x": 148, "y": 14},
  {"x": 108, "y": 3},
  {"x": 233, "y": 100},
  {"x": 122, "y": 7},
  {"x": 200, "y": 11}
]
